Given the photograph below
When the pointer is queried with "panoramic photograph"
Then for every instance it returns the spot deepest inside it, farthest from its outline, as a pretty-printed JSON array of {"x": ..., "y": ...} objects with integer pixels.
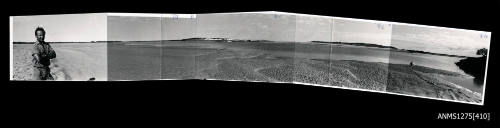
[
  {"x": 276, "y": 47},
  {"x": 436, "y": 62},
  {"x": 69, "y": 47}
]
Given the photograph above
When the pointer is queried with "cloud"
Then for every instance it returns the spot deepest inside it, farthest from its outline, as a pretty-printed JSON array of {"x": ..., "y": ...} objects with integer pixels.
[{"x": 439, "y": 40}]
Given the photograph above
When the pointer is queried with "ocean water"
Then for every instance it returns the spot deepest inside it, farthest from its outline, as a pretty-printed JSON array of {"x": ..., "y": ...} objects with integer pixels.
[{"x": 368, "y": 54}]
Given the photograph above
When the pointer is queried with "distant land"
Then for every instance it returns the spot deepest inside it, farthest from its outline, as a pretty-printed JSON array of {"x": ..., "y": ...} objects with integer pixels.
[
  {"x": 344, "y": 43},
  {"x": 431, "y": 53},
  {"x": 357, "y": 44},
  {"x": 241, "y": 40},
  {"x": 390, "y": 47},
  {"x": 221, "y": 40}
]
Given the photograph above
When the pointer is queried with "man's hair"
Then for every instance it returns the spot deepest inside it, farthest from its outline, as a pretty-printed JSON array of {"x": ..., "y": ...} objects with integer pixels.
[{"x": 40, "y": 29}]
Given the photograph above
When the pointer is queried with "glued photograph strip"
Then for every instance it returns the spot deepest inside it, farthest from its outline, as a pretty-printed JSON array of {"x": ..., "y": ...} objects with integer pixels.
[{"x": 273, "y": 47}]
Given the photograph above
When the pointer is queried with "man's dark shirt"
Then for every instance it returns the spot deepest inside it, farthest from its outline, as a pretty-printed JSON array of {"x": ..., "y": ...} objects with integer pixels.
[{"x": 45, "y": 52}]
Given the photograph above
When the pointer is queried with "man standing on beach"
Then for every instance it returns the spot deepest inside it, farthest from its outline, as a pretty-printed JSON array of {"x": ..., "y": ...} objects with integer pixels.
[{"x": 42, "y": 53}]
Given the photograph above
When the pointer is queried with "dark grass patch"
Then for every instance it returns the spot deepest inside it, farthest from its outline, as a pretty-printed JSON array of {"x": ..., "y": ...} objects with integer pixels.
[{"x": 475, "y": 67}]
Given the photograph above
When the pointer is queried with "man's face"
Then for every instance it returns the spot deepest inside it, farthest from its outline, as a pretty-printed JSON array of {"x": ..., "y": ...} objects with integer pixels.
[{"x": 40, "y": 36}]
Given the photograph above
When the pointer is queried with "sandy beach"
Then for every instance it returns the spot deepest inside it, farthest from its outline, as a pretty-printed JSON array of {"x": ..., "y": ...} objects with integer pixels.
[
  {"x": 428, "y": 82},
  {"x": 242, "y": 61},
  {"x": 74, "y": 61}
]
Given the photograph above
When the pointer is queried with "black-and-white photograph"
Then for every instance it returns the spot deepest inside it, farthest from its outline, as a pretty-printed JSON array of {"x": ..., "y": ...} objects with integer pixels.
[
  {"x": 68, "y": 47},
  {"x": 274, "y": 47},
  {"x": 360, "y": 53},
  {"x": 335, "y": 63},
  {"x": 437, "y": 62},
  {"x": 134, "y": 46},
  {"x": 256, "y": 46}
]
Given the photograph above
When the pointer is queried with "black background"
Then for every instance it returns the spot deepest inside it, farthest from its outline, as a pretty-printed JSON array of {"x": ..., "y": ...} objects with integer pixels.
[{"x": 197, "y": 102}]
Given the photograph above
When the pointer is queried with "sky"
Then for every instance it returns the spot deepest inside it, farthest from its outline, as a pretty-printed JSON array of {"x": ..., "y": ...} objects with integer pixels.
[
  {"x": 249, "y": 26},
  {"x": 310, "y": 28},
  {"x": 356, "y": 31},
  {"x": 439, "y": 39},
  {"x": 147, "y": 27},
  {"x": 178, "y": 28},
  {"x": 130, "y": 28},
  {"x": 254, "y": 26},
  {"x": 61, "y": 28}
]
